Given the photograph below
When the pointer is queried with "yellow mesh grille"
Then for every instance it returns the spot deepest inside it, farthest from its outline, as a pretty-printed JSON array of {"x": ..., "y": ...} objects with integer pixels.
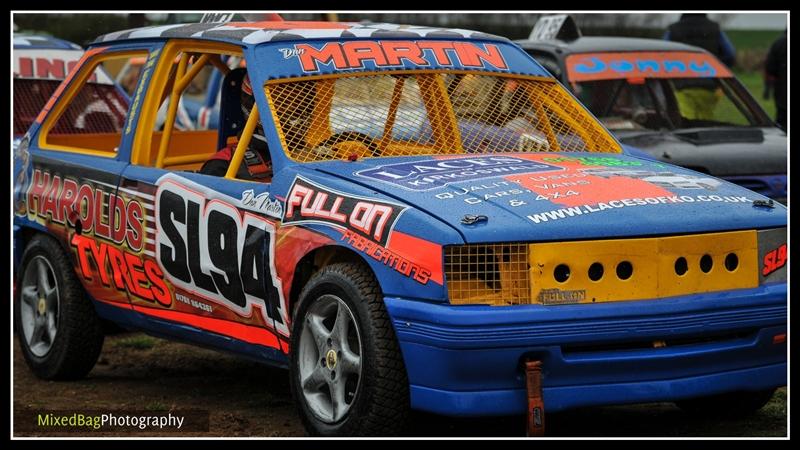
[
  {"x": 432, "y": 113},
  {"x": 555, "y": 273},
  {"x": 495, "y": 274}
]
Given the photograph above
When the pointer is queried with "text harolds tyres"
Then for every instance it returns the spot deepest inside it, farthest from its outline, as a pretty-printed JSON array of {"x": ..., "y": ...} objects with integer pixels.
[{"x": 443, "y": 228}]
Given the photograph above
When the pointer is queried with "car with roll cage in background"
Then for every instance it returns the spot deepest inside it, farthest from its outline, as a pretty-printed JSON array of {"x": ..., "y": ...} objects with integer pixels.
[
  {"x": 41, "y": 62},
  {"x": 676, "y": 102},
  {"x": 443, "y": 227}
]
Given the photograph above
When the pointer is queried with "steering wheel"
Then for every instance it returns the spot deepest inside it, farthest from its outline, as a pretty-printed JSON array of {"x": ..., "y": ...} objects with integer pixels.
[{"x": 352, "y": 136}]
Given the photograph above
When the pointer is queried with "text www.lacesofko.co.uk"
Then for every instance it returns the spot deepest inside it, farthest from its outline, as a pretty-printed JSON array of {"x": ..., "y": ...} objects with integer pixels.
[{"x": 573, "y": 211}]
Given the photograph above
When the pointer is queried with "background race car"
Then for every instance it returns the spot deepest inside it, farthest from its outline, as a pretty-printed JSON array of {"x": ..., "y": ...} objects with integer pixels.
[
  {"x": 40, "y": 64},
  {"x": 676, "y": 102}
]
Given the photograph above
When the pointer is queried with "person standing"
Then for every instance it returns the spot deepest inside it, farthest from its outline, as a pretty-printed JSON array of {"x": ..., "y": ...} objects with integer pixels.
[
  {"x": 775, "y": 72},
  {"x": 700, "y": 31}
]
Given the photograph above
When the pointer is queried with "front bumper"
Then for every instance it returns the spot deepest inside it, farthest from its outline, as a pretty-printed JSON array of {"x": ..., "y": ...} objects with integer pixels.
[{"x": 468, "y": 360}]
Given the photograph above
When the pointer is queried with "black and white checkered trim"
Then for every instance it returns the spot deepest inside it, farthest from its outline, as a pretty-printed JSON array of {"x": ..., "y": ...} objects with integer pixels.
[{"x": 257, "y": 34}]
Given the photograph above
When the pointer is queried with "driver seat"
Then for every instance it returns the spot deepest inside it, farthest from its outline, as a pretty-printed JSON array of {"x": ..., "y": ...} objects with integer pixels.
[{"x": 231, "y": 117}]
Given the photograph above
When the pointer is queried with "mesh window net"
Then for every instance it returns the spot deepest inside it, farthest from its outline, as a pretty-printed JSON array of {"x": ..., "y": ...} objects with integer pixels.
[
  {"x": 30, "y": 96},
  {"x": 432, "y": 113},
  {"x": 97, "y": 108}
]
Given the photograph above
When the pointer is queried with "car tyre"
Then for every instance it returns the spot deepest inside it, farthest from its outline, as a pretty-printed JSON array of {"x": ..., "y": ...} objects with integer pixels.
[
  {"x": 344, "y": 346},
  {"x": 59, "y": 331},
  {"x": 730, "y": 404}
]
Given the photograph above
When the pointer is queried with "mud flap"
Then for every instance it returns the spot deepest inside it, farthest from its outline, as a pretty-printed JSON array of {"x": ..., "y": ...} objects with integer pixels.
[{"x": 533, "y": 381}]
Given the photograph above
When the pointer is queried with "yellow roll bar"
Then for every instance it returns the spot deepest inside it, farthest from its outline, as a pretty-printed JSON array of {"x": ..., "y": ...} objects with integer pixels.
[
  {"x": 244, "y": 141},
  {"x": 172, "y": 111}
]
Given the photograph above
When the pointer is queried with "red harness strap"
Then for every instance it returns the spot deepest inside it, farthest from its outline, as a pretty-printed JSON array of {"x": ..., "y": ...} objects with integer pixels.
[{"x": 255, "y": 164}]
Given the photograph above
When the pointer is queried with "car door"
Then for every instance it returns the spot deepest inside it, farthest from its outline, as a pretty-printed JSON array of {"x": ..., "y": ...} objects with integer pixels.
[
  {"x": 210, "y": 239},
  {"x": 73, "y": 157}
]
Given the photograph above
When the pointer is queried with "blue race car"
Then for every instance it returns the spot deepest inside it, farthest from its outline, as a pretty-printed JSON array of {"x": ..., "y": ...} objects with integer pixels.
[{"x": 440, "y": 226}]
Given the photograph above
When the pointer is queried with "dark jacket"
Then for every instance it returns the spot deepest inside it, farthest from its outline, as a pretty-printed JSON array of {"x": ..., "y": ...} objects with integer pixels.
[
  {"x": 700, "y": 31},
  {"x": 776, "y": 69}
]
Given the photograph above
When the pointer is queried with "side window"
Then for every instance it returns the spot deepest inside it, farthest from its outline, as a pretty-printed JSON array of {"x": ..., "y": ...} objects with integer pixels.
[
  {"x": 128, "y": 75},
  {"x": 90, "y": 116},
  {"x": 174, "y": 140}
]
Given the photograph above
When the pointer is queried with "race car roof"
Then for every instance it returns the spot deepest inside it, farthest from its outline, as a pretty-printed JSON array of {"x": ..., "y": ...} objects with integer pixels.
[
  {"x": 44, "y": 42},
  {"x": 251, "y": 33},
  {"x": 594, "y": 44}
]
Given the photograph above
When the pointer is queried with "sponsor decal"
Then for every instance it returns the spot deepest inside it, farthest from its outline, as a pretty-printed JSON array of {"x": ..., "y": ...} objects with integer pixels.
[
  {"x": 64, "y": 200},
  {"x": 773, "y": 254},
  {"x": 121, "y": 269},
  {"x": 49, "y": 64},
  {"x": 144, "y": 77},
  {"x": 216, "y": 17},
  {"x": 23, "y": 157},
  {"x": 389, "y": 258},
  {"x": 206, "y": 246},
  {"x": 607, "y": 161},
  {"x": 583, "y": 184},
  {"x": 193, "y": 303},
  {"x": 384, "y": 54},
  {"x": 662, "y": 179},
  {"x": 559, "y": 297},
  {"x": 436, "y": 173},
  {"x": 262, "y": 203},
  {"x": 472, "y": 195},
  {"x": 564, "y": 213},
  {"x": 608, "y": 66},
  {"x": 309, "y": 202},
  {"x": 466, "y": 190},
  {"x": 774, "y": 260},
  {"x": 52, "y": 68}
]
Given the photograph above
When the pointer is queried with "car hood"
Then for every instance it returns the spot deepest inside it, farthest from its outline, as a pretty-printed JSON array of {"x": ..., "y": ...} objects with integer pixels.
[
  {"x": 559, "y": 196},
  {"x": 718, "y": 151}
]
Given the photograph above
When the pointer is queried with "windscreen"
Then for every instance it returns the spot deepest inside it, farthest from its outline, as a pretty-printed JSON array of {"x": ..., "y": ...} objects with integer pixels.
[
  {"x": 660, "y": 91},
  {"x": 430, "y": 113},
  {"x": 667, "y": 104}
]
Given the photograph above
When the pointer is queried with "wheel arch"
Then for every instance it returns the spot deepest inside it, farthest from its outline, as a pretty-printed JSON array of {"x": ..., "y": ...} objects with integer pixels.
[
  {"x": 27, "y": 233},
  {"x": 316, "y": 259}
]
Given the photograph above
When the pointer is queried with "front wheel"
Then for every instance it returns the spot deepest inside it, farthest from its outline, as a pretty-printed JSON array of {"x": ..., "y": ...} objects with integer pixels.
[
  {"x": 347, "y": 373},
  {"x": 731, "y": 404}
]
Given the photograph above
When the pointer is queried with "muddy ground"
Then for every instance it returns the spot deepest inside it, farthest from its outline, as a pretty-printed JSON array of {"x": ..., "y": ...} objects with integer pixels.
[{"x": 244, "y": 398}]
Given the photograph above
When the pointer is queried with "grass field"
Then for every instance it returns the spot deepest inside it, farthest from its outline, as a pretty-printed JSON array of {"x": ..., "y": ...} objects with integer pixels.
[
  {"x": 753, "y": 39},
  {"x": 754, "y": 82},
  {"x": 751, "y": 51}
]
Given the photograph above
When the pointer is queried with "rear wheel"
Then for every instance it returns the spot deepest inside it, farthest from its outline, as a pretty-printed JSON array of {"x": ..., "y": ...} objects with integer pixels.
[
  {"x": 347, "y": 373},
  {"x": 731, "y": 404},
  {"x": 60, "y": 334}
]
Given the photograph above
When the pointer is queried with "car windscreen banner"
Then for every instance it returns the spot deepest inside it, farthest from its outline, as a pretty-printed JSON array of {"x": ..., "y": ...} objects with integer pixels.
[
  {"x": 632, "y": 65},
  {"x": 51, "y": 64},
  {"x": 293, "y": 59}
]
